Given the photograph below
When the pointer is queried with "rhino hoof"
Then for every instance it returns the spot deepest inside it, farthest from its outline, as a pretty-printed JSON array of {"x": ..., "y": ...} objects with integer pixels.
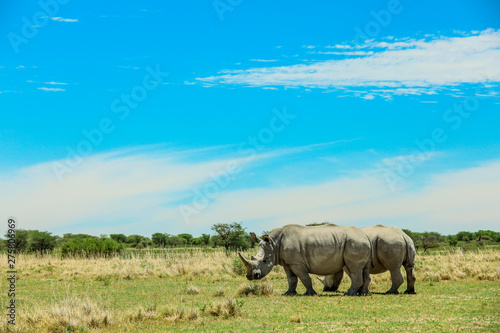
[
  {"x": 412, "y": 292},
  {"x": 330, "y": 289},
  {"x": 290, "y": 293},
  {"x": 392, "y": 292},
  {"x": 310, "y": 293}
]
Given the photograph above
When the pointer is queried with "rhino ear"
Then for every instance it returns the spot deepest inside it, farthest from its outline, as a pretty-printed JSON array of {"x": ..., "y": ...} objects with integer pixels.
[
  {"x": 266, "y": 239},
  {"x": 255, "y": 238}
]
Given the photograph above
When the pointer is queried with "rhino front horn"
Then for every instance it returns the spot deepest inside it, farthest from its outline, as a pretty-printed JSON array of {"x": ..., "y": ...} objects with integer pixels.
[{"x": 245, "y": 261}]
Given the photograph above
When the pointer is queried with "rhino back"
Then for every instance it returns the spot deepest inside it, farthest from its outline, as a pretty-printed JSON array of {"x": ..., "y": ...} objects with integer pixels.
[{"x": 323, "y": 249}]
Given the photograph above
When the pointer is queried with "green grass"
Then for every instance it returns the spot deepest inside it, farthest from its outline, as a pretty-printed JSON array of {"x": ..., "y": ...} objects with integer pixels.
[{"x": 194, "y": 302}]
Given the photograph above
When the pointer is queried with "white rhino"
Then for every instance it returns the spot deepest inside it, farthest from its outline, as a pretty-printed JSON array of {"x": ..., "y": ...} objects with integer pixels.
[
  {"x": 322, "y": 250},
  {"x": 392, "y": 249}
]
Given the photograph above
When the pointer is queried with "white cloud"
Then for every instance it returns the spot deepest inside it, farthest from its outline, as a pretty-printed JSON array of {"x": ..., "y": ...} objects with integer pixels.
[
  {"x": 51, "y": 89},
  {"x": 451, "y": 201},
  {"x": 346, "y": 53},
  {"x": 62, "y": 19},
  {"x": 140, "y": 191},
  {"x": 264, "y": 60},
  {"x": 56, "y": 83},
  {"x": 394, "y": 65}
]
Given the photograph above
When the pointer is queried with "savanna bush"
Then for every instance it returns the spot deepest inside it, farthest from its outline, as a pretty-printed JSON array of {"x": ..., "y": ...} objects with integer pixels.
[{"x": 91, "y": 247}]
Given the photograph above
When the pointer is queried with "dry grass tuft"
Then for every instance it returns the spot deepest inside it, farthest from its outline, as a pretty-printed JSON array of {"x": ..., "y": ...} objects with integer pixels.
[
  {"x": 173, "y": 314},
  {"x": 220, "y": 292},
  {"x": 69, "y": 315},
  {"x": 193, "y": 290},
  {"x": 255, "y": 289},
  {"x": 227, "y": 308},
  {"x": 295, "y": 319}
]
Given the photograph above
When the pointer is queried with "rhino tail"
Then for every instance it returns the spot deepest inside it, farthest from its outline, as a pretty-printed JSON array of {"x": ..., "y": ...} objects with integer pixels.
[
  {"x": 374, "y": 251},
  {"x": 410, "y": 251}
]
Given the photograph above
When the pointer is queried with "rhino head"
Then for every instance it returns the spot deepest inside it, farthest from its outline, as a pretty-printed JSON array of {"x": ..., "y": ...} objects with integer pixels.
[{"x": 262, "y": 263}]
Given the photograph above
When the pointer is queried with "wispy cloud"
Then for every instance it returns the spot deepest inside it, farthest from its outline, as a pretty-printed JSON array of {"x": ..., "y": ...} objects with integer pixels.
[
  {"x": 51, "y": 89},
  {"x": 394, "y": 65},
  {"x": 56, "y": 83},
  {"x": 142, "y": 189},
  {"x": 448, "y": 202},
  {"x": 264, "y": 60},
  {"x": 62, "y": 19},
  {"x": 134, "y": 185}
]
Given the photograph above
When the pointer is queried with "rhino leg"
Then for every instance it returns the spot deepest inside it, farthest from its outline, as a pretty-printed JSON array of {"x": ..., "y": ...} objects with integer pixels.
[
  {"x": 366, "y": 282},
  {"x": 302, "y": 272},
  {"x": 397, "y": 281},
  {"x": 292, "y": 281},
  {"x": 356, "y": 275},
  {"x": 410, "y": 278}
]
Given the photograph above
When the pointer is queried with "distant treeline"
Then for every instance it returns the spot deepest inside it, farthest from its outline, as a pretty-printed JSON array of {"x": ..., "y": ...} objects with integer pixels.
[{"x": 230, "y": 236}]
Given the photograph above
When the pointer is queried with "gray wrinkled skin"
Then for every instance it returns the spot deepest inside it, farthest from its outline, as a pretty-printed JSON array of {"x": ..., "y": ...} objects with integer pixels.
[
  {"x": 303, "y": 250},
  {"x": 392, "y": 249}
]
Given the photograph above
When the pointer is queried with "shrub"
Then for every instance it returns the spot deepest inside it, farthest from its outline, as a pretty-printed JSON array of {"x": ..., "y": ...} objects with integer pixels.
[{"x": 88, "y": 247}]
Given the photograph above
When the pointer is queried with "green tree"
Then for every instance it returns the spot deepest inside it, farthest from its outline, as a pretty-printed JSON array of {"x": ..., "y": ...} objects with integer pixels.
[
  {"x": 430, "y": 240},
  {"x": 41, "y": 241},
  {"x": 159, "y": 239},
  {"x": 205, "y": 238},
  {"x": 466, "y": 236},
  {"x": 133, "y": 240},
  {"x": 120, "y": 238},
  {"x": 187, "y": 237},
  {"x": 452, "y": 240},
  {"x": 229, "y": 234},
  {"x": 21, "y": 240}
]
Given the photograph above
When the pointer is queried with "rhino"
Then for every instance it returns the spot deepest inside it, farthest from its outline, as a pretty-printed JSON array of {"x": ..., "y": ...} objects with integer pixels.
[
  {"x": 323, "y": 250},
  {"x": 392, "y": 249}
]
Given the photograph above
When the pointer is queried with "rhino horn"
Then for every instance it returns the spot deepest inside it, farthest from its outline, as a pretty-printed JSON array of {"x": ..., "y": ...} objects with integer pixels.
[
  {"x": 245, "y": 261},
  {"x": 321, "y": 278}
]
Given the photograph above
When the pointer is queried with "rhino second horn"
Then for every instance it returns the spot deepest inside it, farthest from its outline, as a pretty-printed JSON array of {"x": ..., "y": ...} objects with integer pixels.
[
  {"x": 321, "y": 278},
  {"x": 245, "y": 261}
]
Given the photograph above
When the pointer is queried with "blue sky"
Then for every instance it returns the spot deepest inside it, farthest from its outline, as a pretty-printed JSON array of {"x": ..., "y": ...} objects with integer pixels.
[{"x": 173, "y": 116}]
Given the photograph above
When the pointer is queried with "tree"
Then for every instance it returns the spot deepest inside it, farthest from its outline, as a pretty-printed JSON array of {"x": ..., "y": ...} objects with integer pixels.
[
  {"x": 431, "y": 240},
  {"x": 452, "y": 240},
  {"x": 206, "y": 238},
  {"x": 133, "y": 240},
  {"x": 187, "y": 237},
  {"x": 41, "y": 241},
  {"x": 228, "y": 234},
  {"x": 159, "y": 239},
  {"x": 465, "y": 236},
  {"x": 120, "y": 238},
  {"x": 21, "y": 240}
]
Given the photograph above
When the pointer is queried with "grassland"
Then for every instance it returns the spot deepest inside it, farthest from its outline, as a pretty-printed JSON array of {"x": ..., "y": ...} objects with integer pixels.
[{"x": 202, "y": 291}]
